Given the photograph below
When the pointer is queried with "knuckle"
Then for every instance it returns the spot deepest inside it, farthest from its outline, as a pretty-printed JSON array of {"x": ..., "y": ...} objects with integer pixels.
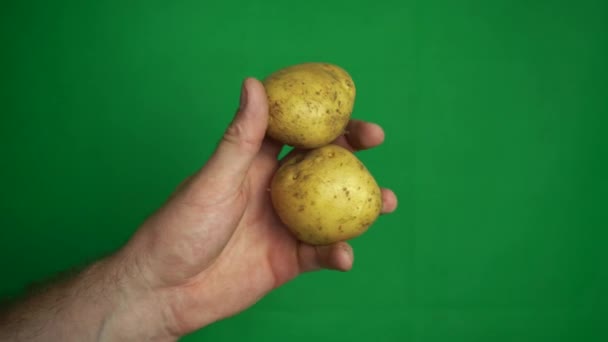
[{"x": 236, "y": 135}]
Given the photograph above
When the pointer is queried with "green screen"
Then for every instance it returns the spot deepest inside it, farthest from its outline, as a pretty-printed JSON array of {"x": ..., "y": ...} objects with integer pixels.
[{"x": 495, "y": 115}]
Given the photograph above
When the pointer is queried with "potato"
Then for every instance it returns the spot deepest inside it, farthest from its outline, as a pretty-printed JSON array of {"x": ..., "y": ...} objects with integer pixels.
[
  {"x": 325, "y": 195},
  {"x": 309, "y": 104}
]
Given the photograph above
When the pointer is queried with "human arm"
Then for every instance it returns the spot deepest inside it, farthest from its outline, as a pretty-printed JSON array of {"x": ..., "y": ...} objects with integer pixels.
[{"x": 215, "y": 248}]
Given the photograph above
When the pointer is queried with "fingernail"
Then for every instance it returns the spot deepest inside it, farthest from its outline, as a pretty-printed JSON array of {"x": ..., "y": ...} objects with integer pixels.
[{"x": 243, "y": 101}]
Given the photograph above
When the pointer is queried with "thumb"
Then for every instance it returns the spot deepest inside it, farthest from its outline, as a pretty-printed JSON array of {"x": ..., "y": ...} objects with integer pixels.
[{"x": 242, "y": 140}]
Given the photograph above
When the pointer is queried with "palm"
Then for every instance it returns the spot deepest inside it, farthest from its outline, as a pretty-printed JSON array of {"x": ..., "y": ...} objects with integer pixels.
[
  {"x": 261, "y": 250},
  {"x": 260, "y": 253}
]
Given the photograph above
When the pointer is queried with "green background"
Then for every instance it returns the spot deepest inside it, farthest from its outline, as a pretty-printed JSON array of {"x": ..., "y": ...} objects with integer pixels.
[{"x": 495, "y": 115}]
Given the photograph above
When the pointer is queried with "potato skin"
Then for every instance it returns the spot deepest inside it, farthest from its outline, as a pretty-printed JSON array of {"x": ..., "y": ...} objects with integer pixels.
[
  {"x": 325, "y": 195},
  {"x": 309, "y": 104}
]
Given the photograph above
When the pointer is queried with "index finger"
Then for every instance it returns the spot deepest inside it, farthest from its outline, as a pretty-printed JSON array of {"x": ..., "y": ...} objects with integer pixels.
[{"x": 360, "y": 135}]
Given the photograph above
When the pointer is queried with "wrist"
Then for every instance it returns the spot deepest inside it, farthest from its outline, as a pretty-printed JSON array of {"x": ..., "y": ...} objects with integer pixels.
[{"x": 126, "y": 308}]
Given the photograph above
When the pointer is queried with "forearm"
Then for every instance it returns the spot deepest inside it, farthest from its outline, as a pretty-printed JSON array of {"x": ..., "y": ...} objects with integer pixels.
[{"x": 102, "y": 303}]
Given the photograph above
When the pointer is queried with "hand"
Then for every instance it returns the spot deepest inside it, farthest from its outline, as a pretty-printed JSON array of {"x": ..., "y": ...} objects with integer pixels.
[
  {"x": 214, "y": 249},
  {"x": 217, "y": 246}
]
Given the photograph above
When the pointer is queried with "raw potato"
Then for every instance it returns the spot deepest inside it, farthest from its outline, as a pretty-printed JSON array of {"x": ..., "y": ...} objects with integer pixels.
[
  {"x": 325, "y": 195},
  {"x": 309, "y": 104}
]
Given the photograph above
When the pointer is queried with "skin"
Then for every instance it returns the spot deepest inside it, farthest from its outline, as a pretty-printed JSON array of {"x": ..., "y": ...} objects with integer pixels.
[{"x": 214, "y": 249}]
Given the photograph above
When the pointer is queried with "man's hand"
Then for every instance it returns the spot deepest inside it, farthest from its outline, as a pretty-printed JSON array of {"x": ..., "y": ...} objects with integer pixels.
[{"x": 215, "y": 248}]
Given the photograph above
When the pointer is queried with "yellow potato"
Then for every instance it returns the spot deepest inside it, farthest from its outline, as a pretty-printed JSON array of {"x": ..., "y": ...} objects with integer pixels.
[
  {"x": 309, "y": 104},
  {"x": 325, "y": 195}
]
